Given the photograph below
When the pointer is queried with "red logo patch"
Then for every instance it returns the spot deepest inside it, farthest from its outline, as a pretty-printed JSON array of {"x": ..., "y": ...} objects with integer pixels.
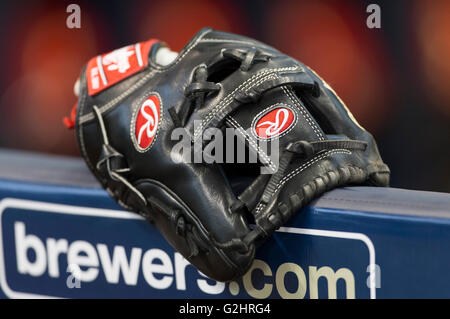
[
  {"x": 274, "y": 122},
  {"x": 106, "y": 70},
  {"x": 147, "y": 120}
]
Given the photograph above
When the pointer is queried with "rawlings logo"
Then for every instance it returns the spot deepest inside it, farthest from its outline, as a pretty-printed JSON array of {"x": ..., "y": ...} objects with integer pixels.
[
  {"x": 147, "y": 120},
  {"x": 119, "y": 59},
  {"x": 274, "y": 122},
  {"x": 108, "y": 69}
]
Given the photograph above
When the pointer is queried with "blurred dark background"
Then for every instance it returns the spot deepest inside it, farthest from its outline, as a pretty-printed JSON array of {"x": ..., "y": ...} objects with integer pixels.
[{"x": 396, "y": 79}]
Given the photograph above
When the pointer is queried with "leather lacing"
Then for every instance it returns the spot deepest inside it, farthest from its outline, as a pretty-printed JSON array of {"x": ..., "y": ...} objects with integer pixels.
[
  {"x": 182, "y": 228},
  {"x": 200, "y": 87},
  {"x": 112, "y": 162},
  {"x": 195, "y": 95},
  {"x": 247, "y": 57}
]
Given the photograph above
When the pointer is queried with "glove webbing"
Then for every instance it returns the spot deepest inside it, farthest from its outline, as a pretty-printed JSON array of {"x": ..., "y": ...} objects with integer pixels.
[
  {"x": 306, "y": 150},
  {"x": 246, "y": 57},
  {"x": 200, "y": 86},
  {"x": 195, "y": 96}
]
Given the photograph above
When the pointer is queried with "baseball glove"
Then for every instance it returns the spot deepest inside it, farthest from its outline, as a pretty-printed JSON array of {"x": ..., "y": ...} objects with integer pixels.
[{"x": 149, "y": 123}]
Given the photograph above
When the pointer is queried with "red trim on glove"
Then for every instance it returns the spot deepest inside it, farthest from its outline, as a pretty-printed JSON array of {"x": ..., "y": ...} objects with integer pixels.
[
  {"x": 108, "y": 69},
  {"x": 70, "y": 122}
]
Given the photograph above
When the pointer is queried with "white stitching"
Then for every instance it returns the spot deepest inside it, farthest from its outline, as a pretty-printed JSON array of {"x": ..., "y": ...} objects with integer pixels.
[
  {"x": 80, "y": 126},
  {"x": 255, "y": 78},
  {"x": 266, "y": 110},
  {"x": 141, "y": 82},
  {"x": 252, "y": 143},
  {"x": 258, "y": 209},
  {"x": 306, "y": 114},
  {"x": 110, "y": 104},
  {"x": 258, "y": 78},
  {"x": 255, "y": 146},
  {"x": 136, "y": 107},
  {"x": 269, "y": 76},
  {"x": 303, "y": 167},
  {"x": 307, "y": 117}
]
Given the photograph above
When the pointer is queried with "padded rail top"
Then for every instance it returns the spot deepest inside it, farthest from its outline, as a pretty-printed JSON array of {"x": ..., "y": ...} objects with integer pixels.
[{"x": 72, "y": 171}]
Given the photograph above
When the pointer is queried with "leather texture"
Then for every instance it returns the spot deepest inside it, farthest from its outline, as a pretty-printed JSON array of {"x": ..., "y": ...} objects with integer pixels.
[{"x": 222, "y": 80}]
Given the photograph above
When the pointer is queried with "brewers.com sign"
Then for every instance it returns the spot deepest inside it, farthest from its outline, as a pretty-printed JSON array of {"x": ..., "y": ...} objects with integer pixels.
[{"x": 54, "y": 250}]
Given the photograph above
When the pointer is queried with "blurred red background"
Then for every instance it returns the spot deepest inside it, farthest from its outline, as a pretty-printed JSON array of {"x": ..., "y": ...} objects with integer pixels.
[{"x": 394, "y": 79}]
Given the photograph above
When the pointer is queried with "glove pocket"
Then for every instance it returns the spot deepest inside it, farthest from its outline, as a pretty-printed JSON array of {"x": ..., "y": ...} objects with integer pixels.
[{"x": 186, "y": 233}]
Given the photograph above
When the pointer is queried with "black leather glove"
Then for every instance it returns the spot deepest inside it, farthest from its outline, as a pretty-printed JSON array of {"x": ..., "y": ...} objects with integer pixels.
[{"x": 134, "y": 101}]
